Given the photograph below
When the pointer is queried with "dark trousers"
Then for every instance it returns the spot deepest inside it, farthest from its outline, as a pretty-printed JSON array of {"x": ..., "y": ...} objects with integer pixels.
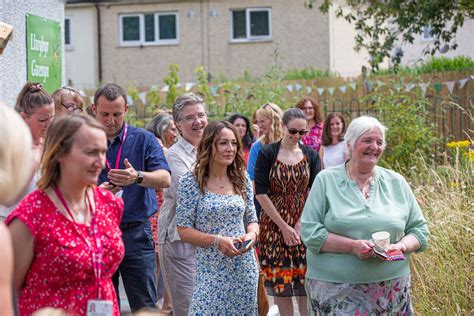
[{"x": 138, "y": 268}]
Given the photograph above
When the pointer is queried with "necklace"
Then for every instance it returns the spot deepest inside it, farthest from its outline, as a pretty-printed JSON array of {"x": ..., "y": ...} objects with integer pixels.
[{"x": 364, "y": 186}]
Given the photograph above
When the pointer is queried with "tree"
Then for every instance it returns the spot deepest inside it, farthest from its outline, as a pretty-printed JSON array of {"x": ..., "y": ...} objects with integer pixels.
[{"x": 382, "y": 24}]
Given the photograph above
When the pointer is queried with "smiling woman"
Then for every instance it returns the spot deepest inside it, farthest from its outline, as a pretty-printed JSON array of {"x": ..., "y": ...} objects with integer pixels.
[{"x": 62, "y": 231}]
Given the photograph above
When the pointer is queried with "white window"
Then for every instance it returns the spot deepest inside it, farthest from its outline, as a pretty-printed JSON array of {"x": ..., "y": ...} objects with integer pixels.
[
  {"x": 67, "y": 33},
  {"x": 253, "y": 24},
  {"x": 149, "y": 29},
  {"x": 427, "y": 34}
]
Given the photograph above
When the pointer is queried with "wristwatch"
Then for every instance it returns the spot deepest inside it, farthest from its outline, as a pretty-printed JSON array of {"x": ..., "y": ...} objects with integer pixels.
[{"x": 139, "y": 177}]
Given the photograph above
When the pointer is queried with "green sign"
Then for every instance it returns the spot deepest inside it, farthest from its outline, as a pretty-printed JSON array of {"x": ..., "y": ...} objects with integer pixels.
[{"x": 43, "y": 51}]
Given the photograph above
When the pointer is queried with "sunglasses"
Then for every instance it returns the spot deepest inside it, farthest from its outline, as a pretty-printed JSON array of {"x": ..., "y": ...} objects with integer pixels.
[{"x": 293, "y": 131}]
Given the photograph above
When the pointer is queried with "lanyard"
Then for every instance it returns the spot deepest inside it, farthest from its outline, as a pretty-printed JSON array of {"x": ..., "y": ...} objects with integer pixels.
[
  {"x": 98, "y": 253},
  {"x": 119, "y": 153}
]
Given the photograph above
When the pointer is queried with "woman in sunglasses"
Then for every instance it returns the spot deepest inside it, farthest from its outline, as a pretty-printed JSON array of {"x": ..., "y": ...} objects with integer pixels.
[
  {"x": 67, "y": 100},
  {"x": 284, "y": 173}
]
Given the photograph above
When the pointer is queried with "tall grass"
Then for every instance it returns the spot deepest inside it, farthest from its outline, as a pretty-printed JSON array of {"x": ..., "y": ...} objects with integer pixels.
[{"x": 442, "y": 276}]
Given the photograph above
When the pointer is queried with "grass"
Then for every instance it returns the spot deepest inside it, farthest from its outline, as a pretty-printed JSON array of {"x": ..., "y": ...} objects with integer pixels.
[
  {"x": 441, "y": 276},
  {"x": 434, "y": 64}
]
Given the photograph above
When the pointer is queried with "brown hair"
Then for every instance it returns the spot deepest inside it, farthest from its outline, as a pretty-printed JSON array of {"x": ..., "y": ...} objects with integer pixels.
[
  {"x": 272, "y": 112},
  {"x": 326, "y": 139},
  {"x": 31, "y": 97},
  {"x": 58, "y": 142},
  {"x": 235, "y": 171},
  {"x": 318, "y": 117},
  {"x": 61, "y": 94}
]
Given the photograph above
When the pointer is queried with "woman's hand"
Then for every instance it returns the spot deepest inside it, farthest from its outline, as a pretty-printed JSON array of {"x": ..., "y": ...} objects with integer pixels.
[
  {"x": 248, "y": 236},
  {"x": 290, "y": 236},
  {"x": 362, "y": 249},
  {"x": 398, "y": 246},
  {"x": 226, "y": 246}
]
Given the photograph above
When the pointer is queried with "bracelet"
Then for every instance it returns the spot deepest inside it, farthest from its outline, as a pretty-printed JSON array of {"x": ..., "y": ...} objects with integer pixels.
[
  {"x": 404, "y": 246},
  {"x": 256, "y": 234},
  {"x": 217, "y": 241}
]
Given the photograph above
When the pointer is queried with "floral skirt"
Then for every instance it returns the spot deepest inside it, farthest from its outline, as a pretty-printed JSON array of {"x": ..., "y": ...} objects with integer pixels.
[{"x": 391, "y": 297}]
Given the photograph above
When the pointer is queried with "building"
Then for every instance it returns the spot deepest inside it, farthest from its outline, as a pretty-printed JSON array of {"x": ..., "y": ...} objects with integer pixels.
[{"x": 13, "y": 61}]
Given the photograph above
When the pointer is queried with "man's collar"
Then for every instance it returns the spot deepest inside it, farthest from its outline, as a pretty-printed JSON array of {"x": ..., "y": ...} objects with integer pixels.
[{"x": 119, "y": 137}]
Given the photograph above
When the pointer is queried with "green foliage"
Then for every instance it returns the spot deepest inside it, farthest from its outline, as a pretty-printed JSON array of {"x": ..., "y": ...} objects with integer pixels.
[
  {"x": 410, "y": 133},
  {"x": 434, "y": 64},
  {"x": 381, "y": 24},
  {"x": 172, "y": 81},
  {"x": 308, "y": 74}
]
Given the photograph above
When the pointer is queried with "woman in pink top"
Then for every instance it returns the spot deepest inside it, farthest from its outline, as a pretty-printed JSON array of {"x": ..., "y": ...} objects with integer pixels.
[
  {"x": 66, "y": 238},
  {"x": 314, "y": 119}
]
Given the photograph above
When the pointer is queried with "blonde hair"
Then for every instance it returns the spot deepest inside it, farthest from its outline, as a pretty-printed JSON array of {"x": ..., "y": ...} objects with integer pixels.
[
  {"x": 272, "y": 112},
  {"x": 16, "y": 157}
]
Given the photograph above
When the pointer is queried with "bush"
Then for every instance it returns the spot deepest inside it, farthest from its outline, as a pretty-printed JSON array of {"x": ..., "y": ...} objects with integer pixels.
[{"x": 434, "y": 64}]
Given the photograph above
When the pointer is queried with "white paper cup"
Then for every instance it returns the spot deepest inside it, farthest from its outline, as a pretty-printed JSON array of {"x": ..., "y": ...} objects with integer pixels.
[{"x": 381, "y": 239}]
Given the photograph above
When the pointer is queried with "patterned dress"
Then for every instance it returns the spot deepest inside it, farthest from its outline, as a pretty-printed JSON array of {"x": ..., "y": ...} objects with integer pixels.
[
  {"x": 61, "y": 273},
  {"x": 313, "y": 138},
  {"x": 284, "y": 266},
  {"x": 224, "y": 285}
]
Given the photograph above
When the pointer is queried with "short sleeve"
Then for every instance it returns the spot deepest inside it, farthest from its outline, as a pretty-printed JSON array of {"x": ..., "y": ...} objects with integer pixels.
[
  {"x": 416, "y": 224},
  {"x": 262, "y": 170},
  {"x": 313, "y": 231},
  {"x": 154, "y": 156},
  {"x": 187, "y": 200},
  {"x": 29, "y": 211},
  {"x": 250, "y": 214},
  {"x": 254, "y": 150}
]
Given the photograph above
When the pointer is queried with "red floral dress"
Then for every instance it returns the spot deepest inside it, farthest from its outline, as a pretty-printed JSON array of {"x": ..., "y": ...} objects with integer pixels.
[
  {"x": 313, "y": 138},
  {"x": 61, "y": 273}
]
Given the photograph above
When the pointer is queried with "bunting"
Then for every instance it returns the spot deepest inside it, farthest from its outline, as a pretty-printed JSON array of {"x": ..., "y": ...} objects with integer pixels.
[
  {"x": 331, "y": 90},
  {"x": 297, "y": 87},
  {"x": 450, "y": 86},
  {"x": 129, "y": 100},
  {"x": 142, "y": 96},
  {"x": 343, "y": 89},
  {"x": 309, "y": 90},
  {"x": 289, "y": 87},
  {"x": 214, "y": 90},
  {"x": 188, "y": 86},
  {"x": 320, "y": 91}
]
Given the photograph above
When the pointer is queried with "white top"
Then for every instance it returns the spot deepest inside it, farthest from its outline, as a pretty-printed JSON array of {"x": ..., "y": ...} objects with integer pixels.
[{"x": 333, "y": 155}]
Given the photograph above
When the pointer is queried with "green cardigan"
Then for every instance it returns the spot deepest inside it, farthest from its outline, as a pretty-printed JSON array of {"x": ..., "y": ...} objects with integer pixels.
[{"x": 335, "y": 204}]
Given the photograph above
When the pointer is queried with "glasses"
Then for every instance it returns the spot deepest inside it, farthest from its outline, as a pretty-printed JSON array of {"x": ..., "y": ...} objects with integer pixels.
[
  {"x": 293, "y": 131},
  {"x": 191, "y": 118},
  {"x": 72, "y": 108}
]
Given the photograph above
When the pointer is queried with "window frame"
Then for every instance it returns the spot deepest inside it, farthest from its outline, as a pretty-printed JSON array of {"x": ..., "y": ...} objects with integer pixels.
[
  {"x": 68, "y": 47},
  {"x": 423, "y": 37},
  {"x": 248, "y": 37},
  {"x": 142, "y": 42}
]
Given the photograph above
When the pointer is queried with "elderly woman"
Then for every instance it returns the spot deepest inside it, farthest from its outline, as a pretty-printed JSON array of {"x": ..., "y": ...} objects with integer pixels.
[
  {"x": 164, "y": 129},
  {"x": 315, "y": 122},
  {"x": 177, "y": 257},
  {"x": 66, "y": 237},
  {"x": 216, "y": 213},
  {"x": 15, "y": 172},
  {"x": 346, "y": 205},
  {"x": 67, "y": 100},
  {"x": 284, "y": 174}
]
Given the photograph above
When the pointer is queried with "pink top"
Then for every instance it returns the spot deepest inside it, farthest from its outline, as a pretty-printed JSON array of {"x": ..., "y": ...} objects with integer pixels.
[
  {"x": 313, "y": 138},
  {"x": 61, "y": 274}
]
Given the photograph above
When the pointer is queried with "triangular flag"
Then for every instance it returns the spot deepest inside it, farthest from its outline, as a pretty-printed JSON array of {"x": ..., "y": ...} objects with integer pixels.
[
  {"x": 353, "y": 86},
  {"x": 320, "y": 91},
  {"x": 129, "y": 100},
  {"x": 331, "y": 90},
  {"x": 289, "y": 87},
  {"x": 409, "y": 87},
  {"x": 165, "y": 88},
  {"x": 297, "y": 87},
  {"x": 472, "y": 77},
  {"x": 380, "y": 83},
  {"x": 368, "y": 85},
  {"x": 343, "y": 89},
  {"x": 236, "y": 87},
  {"x": 142, "y": 96},
  {"x": 462, "y": 82},
  {"x": 91, "y": 99},
  {"x": 437, "y": 87},
  {"x": 178, "y": 85},
  {"x": 308, "y": 90},
  {"x": 398, "y": 87},
  {"x": 423, "y": 87},
  {"x": 81, "y": 93},
  {"x": 153, "y": 88},
  {"x": 214, "y": 90},
  {"x": 188, "y": 86},
  {"x": 450, "y": 85}
]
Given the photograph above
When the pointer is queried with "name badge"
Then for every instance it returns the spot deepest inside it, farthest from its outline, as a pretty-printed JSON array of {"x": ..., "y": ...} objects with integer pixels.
[
  {"x": 99, "y": 308},
  {"x": 119, "y": 193}
]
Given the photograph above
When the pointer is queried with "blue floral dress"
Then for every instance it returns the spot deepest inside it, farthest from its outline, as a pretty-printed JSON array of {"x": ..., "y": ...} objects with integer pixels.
[{"x": 223, "y": 285}]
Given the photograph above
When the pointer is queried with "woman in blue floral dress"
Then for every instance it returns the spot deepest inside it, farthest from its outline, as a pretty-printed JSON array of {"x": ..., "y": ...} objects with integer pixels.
[{"x": 215, "y": 212}]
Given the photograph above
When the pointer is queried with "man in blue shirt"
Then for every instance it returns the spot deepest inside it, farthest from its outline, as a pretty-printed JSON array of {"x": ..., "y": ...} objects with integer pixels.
[{"x": 135, "y": 168}]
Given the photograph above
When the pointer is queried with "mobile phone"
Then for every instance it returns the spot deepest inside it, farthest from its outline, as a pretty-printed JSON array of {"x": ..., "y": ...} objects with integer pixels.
[{"x": 244, "y": 245}]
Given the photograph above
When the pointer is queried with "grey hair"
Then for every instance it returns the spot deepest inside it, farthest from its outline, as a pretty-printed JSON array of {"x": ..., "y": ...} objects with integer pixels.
[
  {"x": 362, "y": 125},
  {"x": 159, "y": 124},
  {"x": 184, "y": 100},
  {"x": 110, "y": 91},
  {"x": 291, "y": 114}
]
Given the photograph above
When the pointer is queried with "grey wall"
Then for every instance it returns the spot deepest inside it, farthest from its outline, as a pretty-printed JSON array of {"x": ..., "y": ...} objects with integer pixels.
[{"x": 13, "y": 60}]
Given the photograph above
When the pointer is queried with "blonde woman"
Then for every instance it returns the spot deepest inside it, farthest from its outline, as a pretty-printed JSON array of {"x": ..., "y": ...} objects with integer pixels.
[{"x": 15, "y": 172}]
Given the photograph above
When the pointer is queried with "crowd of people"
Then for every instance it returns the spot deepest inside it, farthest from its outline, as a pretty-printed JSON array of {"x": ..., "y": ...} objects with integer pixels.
[{"x": 188, "y": 211}]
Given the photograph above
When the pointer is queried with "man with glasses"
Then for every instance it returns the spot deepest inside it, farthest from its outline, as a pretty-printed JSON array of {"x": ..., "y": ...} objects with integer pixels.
[
  {"x": 135, "y": 168},
  {"x": 67, "y": 100}
]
